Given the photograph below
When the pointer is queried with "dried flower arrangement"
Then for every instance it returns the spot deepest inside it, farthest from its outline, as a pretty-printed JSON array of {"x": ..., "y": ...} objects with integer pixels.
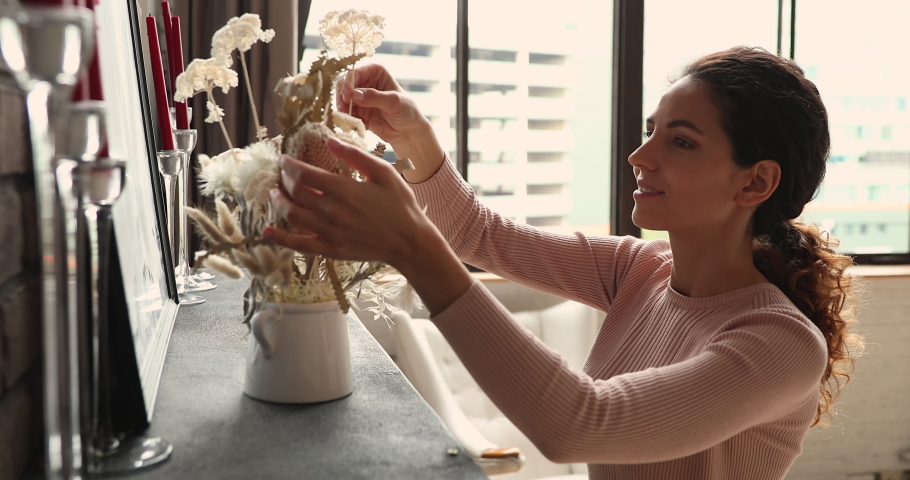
[{"x": 244, "y": 176}]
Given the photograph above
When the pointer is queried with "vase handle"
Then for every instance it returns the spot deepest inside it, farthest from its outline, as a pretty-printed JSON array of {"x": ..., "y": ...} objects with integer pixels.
[{"x": 257, "y": 325}]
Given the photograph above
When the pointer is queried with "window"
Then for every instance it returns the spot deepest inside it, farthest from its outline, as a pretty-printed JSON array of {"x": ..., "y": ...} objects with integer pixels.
[
  {"x": 870, "y": 184},
  {"x": 539, "y": 128},
  {"x": 549, "y": 71}
]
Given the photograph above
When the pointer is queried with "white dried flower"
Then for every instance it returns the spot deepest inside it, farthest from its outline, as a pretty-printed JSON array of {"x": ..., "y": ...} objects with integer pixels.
[
  {"x": 406, "y": 297},
  {"x": 352, "y": 32},
  {"x": 216, "y": 113},
  {"x": 353, "y": 139},
  {"x": 294, "y": 86},
  {"x": 204, "y": 76},
  {"x": 404, "y": 164},
  {"x": 348, "y": 123},
  {"x": 217, "y": 178},
  {"x": 239, "y": 34},
  {"x": 258, "y": 157}
]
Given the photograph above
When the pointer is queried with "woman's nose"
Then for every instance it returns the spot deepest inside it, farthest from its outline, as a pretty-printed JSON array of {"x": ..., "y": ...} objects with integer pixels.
[{"x": 643, "y": 158}]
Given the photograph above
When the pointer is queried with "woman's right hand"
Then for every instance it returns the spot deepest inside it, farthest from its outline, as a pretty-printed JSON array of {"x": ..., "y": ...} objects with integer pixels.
[{"x": 390, "y": 113}]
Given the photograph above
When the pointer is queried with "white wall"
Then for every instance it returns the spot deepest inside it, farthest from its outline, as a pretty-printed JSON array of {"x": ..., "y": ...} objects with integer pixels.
[{"x": 873, "y": 426}]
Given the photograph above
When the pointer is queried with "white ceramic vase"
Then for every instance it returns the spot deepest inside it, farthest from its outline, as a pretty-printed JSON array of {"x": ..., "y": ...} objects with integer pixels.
[{"x": 298, "y": 353}]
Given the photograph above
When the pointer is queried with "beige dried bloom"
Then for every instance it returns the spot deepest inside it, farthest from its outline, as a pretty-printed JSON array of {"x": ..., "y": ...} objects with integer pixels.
[
  {"x": 348, "y": 123},
  {"x": 239, "y": 34},
  {"x": 223, "y": 265},
  {"x": 352, "y": 32},
  {"x": 227, "y": 222},
  {"x": 204, "y": 76}
]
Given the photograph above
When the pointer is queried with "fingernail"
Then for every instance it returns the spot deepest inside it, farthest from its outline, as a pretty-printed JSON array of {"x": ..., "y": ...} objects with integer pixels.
[
  {"x": 268, "y": 232},
  {"x": 281, "y": 161},
  {"x": 273, "y": 193},
  {"x": 358, "y": 94}
]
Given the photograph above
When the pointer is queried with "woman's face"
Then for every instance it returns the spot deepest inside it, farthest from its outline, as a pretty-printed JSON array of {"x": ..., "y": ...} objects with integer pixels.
[{"x": 687, "y": 158}]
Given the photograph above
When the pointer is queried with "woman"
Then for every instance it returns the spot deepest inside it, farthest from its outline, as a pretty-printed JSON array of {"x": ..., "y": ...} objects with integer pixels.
[{"x": 721, "y": 347}]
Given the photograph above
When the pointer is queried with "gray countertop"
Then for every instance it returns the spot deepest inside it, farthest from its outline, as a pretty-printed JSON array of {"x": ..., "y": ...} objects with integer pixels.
[{"x": 382, "y": 430}]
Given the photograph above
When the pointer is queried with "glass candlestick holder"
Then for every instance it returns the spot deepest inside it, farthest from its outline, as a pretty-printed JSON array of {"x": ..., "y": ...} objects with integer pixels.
[
  {"x": 99, "y": 184},
  {"x": 189, "y": 115},
  {"x": 186, "y": 141},
  {"x": 170, "y": 164},
  {"x": 45, "y": 49}
]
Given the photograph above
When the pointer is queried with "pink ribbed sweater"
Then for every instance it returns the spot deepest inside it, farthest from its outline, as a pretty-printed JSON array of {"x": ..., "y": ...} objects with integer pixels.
[{"x": 721, "y": 387}]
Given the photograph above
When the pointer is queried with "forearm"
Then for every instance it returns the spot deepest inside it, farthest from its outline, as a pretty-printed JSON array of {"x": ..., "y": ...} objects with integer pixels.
[
  {"x": 424, "y": 150},
  {"x": 434, "y": 271}
]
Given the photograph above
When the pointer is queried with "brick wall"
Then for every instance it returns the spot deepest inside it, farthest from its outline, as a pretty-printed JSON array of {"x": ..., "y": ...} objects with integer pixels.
[{"x": 20, "y": 321}]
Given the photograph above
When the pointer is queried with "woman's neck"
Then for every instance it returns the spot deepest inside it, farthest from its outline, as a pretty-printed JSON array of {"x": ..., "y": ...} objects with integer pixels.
[{"x": 709, "y": 263}]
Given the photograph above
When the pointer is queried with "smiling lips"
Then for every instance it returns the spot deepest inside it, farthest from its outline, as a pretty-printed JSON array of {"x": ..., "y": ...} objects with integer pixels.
[{"x": 646, "y": 188}]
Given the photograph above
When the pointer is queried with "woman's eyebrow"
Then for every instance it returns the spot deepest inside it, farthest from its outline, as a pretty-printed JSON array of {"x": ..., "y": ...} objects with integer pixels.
[
  {"x": 684, "y": 123},
  {"x": 678, "y": 123}
]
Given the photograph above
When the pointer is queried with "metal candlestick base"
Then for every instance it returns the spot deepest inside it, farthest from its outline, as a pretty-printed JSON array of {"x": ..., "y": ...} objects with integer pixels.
[{"x": 170, "y": 164}]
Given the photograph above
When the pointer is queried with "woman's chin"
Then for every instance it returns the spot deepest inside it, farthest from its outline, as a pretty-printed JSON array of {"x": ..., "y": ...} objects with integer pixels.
[{"x": 641, "y": 221}]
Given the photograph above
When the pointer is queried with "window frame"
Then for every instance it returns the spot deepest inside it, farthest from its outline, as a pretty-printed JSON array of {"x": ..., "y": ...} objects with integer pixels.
[{"x": 628, "y": 45}]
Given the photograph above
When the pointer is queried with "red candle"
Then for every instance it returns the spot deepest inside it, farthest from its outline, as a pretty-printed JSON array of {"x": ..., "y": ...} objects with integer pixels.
[
  {"x": 164, "y": 114},
  {"x": 183, "y": 118},
  {"x": 169, "y": 41}
]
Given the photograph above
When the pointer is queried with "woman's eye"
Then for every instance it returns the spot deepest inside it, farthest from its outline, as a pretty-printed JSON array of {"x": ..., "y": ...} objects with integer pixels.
[{"x": 682, "y": 143}]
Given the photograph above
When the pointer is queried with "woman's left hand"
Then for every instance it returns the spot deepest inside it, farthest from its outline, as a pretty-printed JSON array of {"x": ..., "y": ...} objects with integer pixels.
[
  {"x": 375, "y": 220},
  {"x": 336, "y": 216}
]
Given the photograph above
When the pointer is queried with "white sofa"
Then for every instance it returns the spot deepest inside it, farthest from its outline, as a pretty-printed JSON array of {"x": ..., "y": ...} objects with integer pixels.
[{"x": 435, "y": 371}]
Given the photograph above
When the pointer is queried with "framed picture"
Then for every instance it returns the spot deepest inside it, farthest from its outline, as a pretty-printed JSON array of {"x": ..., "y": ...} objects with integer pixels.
[{"x": 146, "y": 269}]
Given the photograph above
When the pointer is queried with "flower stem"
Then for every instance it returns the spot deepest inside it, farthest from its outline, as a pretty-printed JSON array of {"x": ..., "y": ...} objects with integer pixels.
[
  {"x": 249, "y": 91},
  {"x": 353, "y": 86},
  {"x": 224, "y": 130}
]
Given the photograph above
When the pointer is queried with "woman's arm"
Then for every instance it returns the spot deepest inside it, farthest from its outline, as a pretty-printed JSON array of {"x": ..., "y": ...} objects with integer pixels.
[
  {"x": 761, "y": 367},
  {"x": 586, "y": 269},
  {"x": 576, "y": 266}
]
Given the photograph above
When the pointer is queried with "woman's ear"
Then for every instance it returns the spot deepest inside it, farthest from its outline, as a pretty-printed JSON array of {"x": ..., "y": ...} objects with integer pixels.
[{"x": 757, "y": 183}]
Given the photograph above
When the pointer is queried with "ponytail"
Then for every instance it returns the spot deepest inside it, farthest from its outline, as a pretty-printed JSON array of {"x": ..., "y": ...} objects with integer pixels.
[{"x": 801, "y": 262}]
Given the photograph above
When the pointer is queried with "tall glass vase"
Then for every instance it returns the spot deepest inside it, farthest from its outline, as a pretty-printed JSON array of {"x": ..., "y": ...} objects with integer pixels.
[
  {"x": 170, "y": 164},
  {"x": 186, "y": 141}
]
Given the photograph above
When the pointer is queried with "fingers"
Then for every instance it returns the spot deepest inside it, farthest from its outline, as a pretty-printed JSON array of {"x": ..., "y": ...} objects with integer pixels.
[
  {"x": 301, "y": 218},
  {"x": 297, "y": 174},
  {"x": 389, "y": 103},
  {"x": 373, "y": 168},
  {"x": 295, "y": 241}
]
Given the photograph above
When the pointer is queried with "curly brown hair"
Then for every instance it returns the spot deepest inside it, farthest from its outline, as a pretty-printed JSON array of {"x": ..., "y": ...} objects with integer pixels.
[{"x": 772, "y": 111}]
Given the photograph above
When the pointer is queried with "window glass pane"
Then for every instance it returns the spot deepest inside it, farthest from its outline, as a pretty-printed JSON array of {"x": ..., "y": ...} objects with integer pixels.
[
  {"x": 864, "y": 80},
  {"x": 416, "y": 51},
  {"x": 677, "y": 33},
  {"x": 540, "y": 91}
]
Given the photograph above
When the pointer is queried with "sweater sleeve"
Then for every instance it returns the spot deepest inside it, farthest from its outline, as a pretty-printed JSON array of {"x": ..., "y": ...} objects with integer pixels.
[
  {"x": 588, "y": 269},
  {"x": 758, "y": 367}
]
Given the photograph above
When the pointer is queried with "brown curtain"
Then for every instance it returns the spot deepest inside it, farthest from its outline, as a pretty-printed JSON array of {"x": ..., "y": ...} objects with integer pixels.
[{"x": 267, "y": 64}]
